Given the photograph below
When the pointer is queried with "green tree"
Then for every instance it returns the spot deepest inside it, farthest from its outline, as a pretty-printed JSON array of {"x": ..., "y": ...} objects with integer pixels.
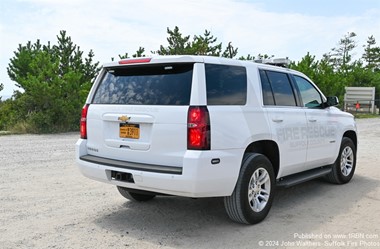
[
  {"x": 322, "y": 74},
  {"x": 371, "y": 53},
  {"x": 55, "y": 81},
  {"x": 230, "y": 51},
  {"x": 139, "y": 53},
  {"x": 5, "y": 111},
  {"x": 341, "y": 56},
  {"x": 264, "y": 56},
  {"x": 329, "y": 81},
  {"x": 1, "y": 88},
  {"x": 203, "y": 45},
  {"x": 178, "y": 44},
  {"x": 308, "y": 65},
  {"x": 124, "y": 56},
  {"x": 249, "y": 57},
  {"x": 260, "y": 56}
]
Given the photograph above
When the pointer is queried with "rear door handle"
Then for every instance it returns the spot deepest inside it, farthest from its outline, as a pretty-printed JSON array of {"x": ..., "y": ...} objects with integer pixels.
[
  {"x": 312, "y": 120},
  {"x": 277, "y": 120}
]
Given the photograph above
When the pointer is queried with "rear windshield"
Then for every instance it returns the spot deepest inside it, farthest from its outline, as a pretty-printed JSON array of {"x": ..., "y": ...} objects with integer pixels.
[{"x": 146, "y": 85}]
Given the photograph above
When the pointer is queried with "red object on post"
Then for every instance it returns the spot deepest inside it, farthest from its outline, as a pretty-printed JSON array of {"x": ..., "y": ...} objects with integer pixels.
[{"x": 357, "y": 106}]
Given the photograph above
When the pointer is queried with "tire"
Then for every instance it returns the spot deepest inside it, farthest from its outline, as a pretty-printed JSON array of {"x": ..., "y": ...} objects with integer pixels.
[
  {"x": 344, "y": 167},
  {"x": 253, "y": 194},
  {"x": 135, "y": 196}
]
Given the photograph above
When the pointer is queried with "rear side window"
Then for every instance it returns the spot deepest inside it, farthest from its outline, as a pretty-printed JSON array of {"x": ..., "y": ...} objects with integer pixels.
[
  {"x": 268, "y": 98},
  {"x": 226, "y": 85},
  {"x": 146, "y": 85},
  {"x": 282, "y": 89}
]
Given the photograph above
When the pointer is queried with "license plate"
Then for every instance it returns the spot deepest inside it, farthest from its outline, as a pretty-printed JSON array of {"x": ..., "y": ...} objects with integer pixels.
[{"x": 130, "y": 131}]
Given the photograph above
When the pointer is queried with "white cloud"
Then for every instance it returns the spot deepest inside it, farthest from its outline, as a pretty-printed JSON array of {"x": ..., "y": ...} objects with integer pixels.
[{"x": 114, "y": 27}]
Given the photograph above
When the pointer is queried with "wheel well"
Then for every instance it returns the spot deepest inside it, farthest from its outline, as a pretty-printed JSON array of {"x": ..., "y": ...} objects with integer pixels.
[
  {"x": 351, "y": 135},
  {"x": 269, "y": 149}
]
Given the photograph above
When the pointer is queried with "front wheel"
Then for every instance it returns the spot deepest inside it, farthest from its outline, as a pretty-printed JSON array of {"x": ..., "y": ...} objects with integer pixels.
[
  {"x": 253, "y": 195},
  {"x": 344, "y": 167}
]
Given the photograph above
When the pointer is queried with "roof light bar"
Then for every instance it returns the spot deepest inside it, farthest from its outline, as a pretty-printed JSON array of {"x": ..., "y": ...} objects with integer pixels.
[{"x": 281, "y": 62}]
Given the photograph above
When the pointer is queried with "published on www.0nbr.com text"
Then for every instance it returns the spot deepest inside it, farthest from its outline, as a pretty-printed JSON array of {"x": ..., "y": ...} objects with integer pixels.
[{"x": 326, "y": 240}]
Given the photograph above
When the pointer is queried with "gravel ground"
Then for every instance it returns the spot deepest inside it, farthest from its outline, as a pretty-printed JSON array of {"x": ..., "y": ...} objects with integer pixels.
[{"x": 46, "y": 203}]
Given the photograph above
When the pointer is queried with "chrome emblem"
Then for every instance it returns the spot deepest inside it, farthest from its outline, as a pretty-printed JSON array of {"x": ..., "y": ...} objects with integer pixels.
[{"x": 124, "y": 118}]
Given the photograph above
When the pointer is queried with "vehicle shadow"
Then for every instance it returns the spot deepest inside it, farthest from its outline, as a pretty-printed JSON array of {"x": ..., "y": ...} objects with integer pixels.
[{"x": 185, "y": 222}]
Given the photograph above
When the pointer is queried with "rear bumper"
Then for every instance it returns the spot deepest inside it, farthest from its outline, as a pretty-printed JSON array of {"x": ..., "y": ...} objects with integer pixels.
[
  {"x": 196, "y": 177},
  {"x": 131, "y": 165}
]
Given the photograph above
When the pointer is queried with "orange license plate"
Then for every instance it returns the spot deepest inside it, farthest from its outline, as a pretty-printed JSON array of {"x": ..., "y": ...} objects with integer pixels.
[{"x": 130, "y": 131}]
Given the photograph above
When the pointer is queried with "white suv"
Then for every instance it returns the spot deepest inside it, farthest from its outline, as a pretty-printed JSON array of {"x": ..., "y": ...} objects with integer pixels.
[{"x": 201, "y": 126}]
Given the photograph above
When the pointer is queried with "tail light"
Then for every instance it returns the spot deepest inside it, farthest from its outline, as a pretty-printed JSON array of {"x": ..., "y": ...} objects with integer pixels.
[
  {"x": 83, "y": 122},
  {"x": 198, "y": 128}
]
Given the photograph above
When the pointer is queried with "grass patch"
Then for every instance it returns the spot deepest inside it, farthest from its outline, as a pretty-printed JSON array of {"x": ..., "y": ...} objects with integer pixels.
[
  {"x": 19, "y": 128},
  {"x": 3, "y": 133},
  {"x": 366, "y": 115},
  {"x": 22, "y": 127}
]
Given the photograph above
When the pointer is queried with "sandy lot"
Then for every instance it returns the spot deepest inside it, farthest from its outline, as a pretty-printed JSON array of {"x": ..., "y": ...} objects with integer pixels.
[{"x": 46, "y": 203}]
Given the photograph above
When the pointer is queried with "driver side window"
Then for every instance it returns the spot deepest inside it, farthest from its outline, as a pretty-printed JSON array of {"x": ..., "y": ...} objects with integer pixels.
[{"x": 311, "y": 98}]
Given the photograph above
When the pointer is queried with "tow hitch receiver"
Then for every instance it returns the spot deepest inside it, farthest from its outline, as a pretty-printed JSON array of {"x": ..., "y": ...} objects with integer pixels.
[{"x": 122, "y": 177}]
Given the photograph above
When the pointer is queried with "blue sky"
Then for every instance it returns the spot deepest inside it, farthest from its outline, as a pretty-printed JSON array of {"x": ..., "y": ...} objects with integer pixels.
[
  {"x": 282, "y": 28},
  {"x": 320, "y": 7}
]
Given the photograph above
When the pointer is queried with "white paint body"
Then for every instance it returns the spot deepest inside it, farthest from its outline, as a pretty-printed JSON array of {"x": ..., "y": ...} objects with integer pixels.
[{"x": 306, "y": 138}]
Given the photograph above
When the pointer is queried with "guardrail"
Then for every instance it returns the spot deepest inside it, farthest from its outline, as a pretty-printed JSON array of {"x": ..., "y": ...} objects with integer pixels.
[{"x": 362, "y": 106}]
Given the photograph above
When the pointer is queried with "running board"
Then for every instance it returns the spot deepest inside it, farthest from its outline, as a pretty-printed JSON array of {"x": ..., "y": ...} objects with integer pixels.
[{"x": 288, "y": 181}]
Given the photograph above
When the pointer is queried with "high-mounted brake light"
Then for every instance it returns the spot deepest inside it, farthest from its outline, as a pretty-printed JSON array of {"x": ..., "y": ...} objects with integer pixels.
[
  {"x": 83, "y": 122},
  {"x": 198, "y": 128},
  {"x": 133, "y": 61}
]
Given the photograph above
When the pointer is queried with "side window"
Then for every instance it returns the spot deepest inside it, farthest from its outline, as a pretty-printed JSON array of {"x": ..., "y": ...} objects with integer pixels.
[
  {"x": 226, "y": 85},
  {"x": 310, "y": 96},
  {"x": 282, "y": 89},
  {"x": 267, "y": 89}
]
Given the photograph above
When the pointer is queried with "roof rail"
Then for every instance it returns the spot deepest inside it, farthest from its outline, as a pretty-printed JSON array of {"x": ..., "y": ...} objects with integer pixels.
[{"x": 280, "y": 62}]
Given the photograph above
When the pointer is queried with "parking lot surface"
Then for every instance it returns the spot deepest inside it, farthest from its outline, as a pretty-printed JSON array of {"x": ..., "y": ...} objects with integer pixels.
[{"x": 46, "y": 203}]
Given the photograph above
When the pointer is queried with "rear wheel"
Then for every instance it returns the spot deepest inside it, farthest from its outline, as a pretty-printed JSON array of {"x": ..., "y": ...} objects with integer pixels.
[
  {"x": 253, "y": 195},
  {"x": 344, "y": 167},
  {"x": 134, "y": 196}
]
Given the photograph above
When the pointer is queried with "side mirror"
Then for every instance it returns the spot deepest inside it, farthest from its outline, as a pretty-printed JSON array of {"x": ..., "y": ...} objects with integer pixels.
[{"x": 332, "y": 101}]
